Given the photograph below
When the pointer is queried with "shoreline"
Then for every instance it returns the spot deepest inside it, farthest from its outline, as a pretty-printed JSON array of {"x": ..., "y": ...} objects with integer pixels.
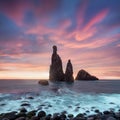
[{"x": 23, "y": 114}]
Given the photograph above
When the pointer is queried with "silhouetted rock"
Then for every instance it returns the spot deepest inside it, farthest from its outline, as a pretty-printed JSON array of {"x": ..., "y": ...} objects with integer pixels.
[
  {"x": 69, "y": 72},
  {"x": 56, "y": 70},
  {"x": 84, "y": 75},
  {"x": 43, "y": 82}
]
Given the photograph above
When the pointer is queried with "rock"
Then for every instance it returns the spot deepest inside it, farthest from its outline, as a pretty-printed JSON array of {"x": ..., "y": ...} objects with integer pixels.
[
  {"x": 21, "y": 114},
  {"x": 106, "y": 112},
  {"x": 80, "y": 115},
  {"x": 41, "y": 114},
  {"x": 25, "y": 104},
  {"x": 23, "y": 110},
  {"x": 111, "y": 118},
  {"x": 31, "y": 114},
  {"x": 10, "y": 115},
  {"x": 30, "y": 97},
  {"x": 21, "y": 118},
  {"x": 69, "y": 72},
  {"x": 48, "y": 117},
  {"x": 84, "y": 75},
  {"x": 34, "y": 118},
  {"x": 63, "y": 116},
  {"x": 56, "y": 70},
  {"x": 43, "y": 82},
  {"x": 5, "y": 119},
  {"x": 97, "y": 111},
  {"x": 70, "y": 116}
]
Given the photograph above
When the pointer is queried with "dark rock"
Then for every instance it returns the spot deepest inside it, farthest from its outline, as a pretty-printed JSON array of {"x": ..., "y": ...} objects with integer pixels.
[
  {"x": 3, "y": 104},
  {"x": 41, "y": 114},
  {"x": 64, "y": 112},
  {"x": 56, "y": 117},
  {"x": 49, "y": 105},
  {"x": 30, "y": 97},
  {"x": 87, "y": 111},
  {"x": 43, "y": 82},
  {"x": 10, "y": 116},
  {"x": 70, "y": 116},
  {"x": 84, "y": 75},
  {"x": 63, "y": 116},
  {"x": 111, "y": 103},
  {"x": 97, "y": 111},
  {"x": 111, "y": 118},
  {"x": 5, "y": 119},
  {"x": 21, "y": 114},
  {"x": 69, "y": 72},
  {"x": 31, "y": 114},
  {"x": 80, "y": 115},
  {"x": 34, "y": 118},
  {"x": 48, "y": 117},
  {"x": 23, "y": 110},
  {"x": 56, "y": 70},
  {"x": 21, "y": 118},
  {"x": 106, "y": 112},
  {"x": 25, "y": 104}
]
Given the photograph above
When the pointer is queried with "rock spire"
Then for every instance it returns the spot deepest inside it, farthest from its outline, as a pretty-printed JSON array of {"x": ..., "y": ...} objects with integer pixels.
[
  {"x": 69, "y": 72},
  {"x": 56, "y": 70}
]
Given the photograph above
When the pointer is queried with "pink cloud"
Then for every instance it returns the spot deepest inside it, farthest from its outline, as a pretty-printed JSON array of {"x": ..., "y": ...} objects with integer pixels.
[{"x": 96, "y": 19}]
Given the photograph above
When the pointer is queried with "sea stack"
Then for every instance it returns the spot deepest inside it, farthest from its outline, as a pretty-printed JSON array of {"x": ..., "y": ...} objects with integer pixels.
[
  {"x": 56, "y": 69},
  {"x": 84, "y": 75},
  {"x": 69, "y": 72}
]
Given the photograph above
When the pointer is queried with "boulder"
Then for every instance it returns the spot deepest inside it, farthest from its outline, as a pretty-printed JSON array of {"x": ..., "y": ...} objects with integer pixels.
[
  {"x": 43, "y": 82},
  {"x": 56, "y": 70},
  {"x": 69, "y": 72},
  {"x": 84, "y": 75}
]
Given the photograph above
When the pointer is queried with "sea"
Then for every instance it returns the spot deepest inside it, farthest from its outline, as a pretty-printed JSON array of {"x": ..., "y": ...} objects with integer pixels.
[{"x": 79, "y": 97}]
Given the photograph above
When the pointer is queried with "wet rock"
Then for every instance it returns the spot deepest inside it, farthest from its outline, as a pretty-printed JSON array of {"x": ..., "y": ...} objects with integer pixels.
[
  {"x": 3, "y": 104},
  {"x": 21, "y": 114},
  {"x": 43, "y": 82},
  {"x": 87, "y": 111},
  {"x": 69, "y": 72},
  {"x": 23, "y": 110},
  {"x": 10, "y": 115},
  {"x": 5, "y": 119},
  {"x": 35, "y": 118},
  {"x": 49, "y": 105},
  {"x": 21, "y": 118},
  {"x": 31, "y": 113},
  {"x": 56, "y": 117},
  {"x": 84, "y": 75},
  {"x": 111, "y": 103},
  {"x": 111, "y": 118},
  {"x": 64, "y": 112},
  {"x": 30, "y": 97},
  {"x": 25, "y": 104},
  {"x": 41, "y": 114},
  {"x": 56, "y": 70},
  {"x": 106, "y": 112},
  {"x": 63, "y": 116},
  {"x": 70, "y": 116},
  {"x": 48, "y": 117},
  {"x": 97, "y": 111},
  {"x": 80, "y": 115}
]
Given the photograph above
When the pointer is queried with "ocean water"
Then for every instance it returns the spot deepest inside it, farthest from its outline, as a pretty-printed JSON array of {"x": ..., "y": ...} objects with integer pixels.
[{"x": 74, "y": 98}]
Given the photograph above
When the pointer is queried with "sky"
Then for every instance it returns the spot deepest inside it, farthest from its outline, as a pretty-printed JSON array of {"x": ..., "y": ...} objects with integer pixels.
[{"x": 85, "y": 31}]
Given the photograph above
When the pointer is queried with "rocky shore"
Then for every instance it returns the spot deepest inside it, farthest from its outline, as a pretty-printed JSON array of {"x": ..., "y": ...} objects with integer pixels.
[{"x": 23, "y": 114}]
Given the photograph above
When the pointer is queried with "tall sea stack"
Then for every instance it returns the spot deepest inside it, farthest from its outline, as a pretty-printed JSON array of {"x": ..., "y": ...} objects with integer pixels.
[
  {"x": 69, "y": 72},
  {"x": 56, "y": 70}
]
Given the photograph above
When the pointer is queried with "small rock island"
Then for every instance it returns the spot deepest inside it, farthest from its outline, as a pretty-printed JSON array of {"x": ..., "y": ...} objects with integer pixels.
[{"x": 56, "y": 73}]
